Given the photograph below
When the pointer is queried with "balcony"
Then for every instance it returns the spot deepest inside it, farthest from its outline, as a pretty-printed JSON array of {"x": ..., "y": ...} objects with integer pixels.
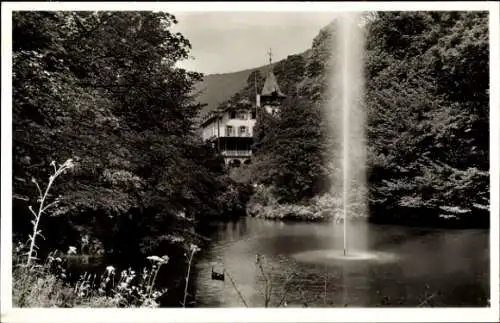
[
  {"x": 241, "y": 134},
  {"x": 236, "y": 153}
]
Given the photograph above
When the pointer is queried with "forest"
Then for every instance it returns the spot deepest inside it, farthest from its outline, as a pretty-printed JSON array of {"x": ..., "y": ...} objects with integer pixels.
[
  {"x": 426, "y": 101},
  {"x": 97, "y": 96}
]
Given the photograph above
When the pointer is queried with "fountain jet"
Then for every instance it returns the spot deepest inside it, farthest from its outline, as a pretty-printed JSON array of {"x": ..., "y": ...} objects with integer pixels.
[{"x": 347, "y": 118}]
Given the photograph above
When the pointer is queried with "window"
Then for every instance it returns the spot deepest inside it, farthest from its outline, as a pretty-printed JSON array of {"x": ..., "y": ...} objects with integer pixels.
[
  {"x": 233, "y": 115},
  {"x": 229, "y": 131},
  {"x": 242, "y": 115},
  {"x": 243, "y": 131},
  {"x": 253, "y": 114}
]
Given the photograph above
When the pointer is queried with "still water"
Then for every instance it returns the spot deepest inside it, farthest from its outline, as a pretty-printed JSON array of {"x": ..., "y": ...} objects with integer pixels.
[{"x": 397, "y": 266}]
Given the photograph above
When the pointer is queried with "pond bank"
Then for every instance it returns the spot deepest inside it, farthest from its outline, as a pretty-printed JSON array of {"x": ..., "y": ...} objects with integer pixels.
[{"x": 318, "y": 210}]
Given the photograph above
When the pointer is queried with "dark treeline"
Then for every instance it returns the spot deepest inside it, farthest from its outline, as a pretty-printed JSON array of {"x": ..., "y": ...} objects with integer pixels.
[
  {"x": 101, "y": 88},
  {"x": 427, "y": 104}
]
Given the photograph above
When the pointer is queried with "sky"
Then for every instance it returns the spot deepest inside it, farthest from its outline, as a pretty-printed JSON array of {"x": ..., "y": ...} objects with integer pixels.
[{"x": 224, "y": 42}]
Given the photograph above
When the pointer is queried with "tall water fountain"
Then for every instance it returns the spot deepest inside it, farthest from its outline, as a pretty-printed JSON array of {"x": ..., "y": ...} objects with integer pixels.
[
  {"x": 347, "y": 84},
  {"x": 346, "y": 122}
]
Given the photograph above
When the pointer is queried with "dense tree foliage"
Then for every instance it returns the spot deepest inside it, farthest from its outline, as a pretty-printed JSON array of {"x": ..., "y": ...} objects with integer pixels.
[
  {"x": 428, "y": 126},
  {"x": 101, "y": 88},
  {"x": 289, "y": 152}
]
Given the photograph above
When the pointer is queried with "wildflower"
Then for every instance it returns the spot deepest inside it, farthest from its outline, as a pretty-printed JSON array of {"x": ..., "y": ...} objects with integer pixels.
[
  {"x": 157, "y": 259},
  {"x": 123, "y": 285},
  {"x": 69, "y": 163},
  {"x": 154, "y": 258},
  {"x": 150, "y": 303},
  {"x": 110, "y": 270},
  {"x": 72, "y": 250},
  {"x": 58, "y": 259},
  {"x": 194, "y": 248},
  {"x": 19, "y": 247}
]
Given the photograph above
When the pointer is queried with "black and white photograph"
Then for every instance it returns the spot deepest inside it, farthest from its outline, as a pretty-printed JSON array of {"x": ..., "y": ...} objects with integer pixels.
[{"x": 162, "y": 157}]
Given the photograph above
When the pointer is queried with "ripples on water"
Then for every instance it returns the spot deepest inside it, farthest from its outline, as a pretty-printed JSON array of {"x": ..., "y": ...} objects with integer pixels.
[{"x": 447, "y": 267}]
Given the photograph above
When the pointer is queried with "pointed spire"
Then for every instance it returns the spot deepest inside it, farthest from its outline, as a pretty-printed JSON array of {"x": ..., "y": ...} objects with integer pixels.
[{"x": 271, "y": 86}]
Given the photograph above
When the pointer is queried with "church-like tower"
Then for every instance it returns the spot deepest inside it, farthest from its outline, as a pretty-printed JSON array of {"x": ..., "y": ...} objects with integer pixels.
[{"x": 271, "y": 97}]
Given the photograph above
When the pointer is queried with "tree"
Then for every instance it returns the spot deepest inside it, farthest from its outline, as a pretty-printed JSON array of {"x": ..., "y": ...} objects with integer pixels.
[
  {"x": 290, "y": 152},
  {"x": 428, "y": 151},
  {"x": 102, "y": 88}
]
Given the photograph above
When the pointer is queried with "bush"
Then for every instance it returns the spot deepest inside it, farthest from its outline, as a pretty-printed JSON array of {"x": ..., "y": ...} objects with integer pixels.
[{"x": 326, "y": 207}]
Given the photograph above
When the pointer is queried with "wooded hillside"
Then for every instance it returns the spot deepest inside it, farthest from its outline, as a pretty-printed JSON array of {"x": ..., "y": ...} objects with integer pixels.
[{"x": 427, "y": 104}]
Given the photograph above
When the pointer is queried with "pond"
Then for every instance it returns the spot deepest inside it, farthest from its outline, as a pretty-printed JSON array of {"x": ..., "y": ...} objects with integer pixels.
[{"x": 391, "y": 266}]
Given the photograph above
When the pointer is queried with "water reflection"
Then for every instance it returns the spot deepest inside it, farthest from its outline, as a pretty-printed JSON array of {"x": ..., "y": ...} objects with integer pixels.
[{"x": 433, "y": 267}]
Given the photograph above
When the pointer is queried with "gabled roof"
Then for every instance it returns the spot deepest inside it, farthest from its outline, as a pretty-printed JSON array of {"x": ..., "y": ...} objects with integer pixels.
[
  {"x": 271, "y": 86},
  {"x": 234, "y": 106},
  {"x": 225, "y": 107}
]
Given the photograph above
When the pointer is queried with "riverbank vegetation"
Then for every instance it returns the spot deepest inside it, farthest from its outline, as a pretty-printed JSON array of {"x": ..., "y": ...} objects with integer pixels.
[{"x": 427, "y": 105}]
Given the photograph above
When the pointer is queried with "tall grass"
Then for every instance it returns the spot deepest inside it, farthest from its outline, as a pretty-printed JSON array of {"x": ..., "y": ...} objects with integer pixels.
[{"x": 46, "y": 285}]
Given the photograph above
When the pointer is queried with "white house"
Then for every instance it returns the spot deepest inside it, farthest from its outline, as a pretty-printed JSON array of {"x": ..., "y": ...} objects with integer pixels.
[{"x": 230, "y": 128}]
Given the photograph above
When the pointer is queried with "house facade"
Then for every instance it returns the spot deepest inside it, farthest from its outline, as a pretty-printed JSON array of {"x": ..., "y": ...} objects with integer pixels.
[{"x": 230, "y": 129}]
